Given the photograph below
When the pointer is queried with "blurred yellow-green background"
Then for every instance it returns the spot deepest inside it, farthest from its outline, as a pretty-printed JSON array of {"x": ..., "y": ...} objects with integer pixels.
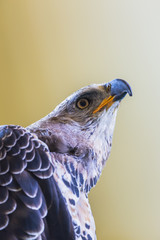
[{"x": 48, "y": 49}]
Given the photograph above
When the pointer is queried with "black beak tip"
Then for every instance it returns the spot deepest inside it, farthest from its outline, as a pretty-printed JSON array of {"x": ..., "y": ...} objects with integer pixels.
[
  {"x": 127, "y": 87},
  {"x": 119, "y": 88}
]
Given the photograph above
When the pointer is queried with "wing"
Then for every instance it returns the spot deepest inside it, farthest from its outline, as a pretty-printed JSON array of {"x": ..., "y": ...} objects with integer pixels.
[{"x": 31, "y": 204}]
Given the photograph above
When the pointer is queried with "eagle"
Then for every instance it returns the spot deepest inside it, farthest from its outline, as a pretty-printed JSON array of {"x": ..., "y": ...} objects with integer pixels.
[{"x": 48, "y": 168}]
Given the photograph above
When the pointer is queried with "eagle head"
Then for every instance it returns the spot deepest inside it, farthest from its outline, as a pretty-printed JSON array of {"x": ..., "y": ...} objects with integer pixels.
[{"x": 82, "y": 125}]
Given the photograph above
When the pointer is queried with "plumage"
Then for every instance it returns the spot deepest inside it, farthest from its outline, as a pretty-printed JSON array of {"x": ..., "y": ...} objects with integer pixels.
[{"x": 48, "y": 168}]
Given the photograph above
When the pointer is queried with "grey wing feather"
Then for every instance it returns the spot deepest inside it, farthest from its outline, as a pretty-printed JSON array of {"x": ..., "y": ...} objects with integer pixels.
[{"x": 31, "y": 204}]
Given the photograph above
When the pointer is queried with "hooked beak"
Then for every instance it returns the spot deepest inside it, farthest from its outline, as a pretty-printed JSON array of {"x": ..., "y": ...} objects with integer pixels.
[{"x": 117, "y": 90}]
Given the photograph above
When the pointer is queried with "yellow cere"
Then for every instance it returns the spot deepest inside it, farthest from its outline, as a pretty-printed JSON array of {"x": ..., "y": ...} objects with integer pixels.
[{"x": 105, "y": 102}]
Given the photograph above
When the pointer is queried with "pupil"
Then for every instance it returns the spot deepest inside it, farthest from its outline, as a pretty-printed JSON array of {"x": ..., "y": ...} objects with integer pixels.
[{"x": 83, "y": 103}]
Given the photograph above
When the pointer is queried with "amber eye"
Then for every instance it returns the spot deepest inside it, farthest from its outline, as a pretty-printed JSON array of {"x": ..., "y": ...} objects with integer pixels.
[{"x": 82, "y": 103}]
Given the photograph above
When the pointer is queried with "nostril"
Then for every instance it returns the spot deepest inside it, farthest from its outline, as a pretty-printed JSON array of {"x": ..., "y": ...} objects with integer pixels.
[{"x": 108, "y": 88}]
